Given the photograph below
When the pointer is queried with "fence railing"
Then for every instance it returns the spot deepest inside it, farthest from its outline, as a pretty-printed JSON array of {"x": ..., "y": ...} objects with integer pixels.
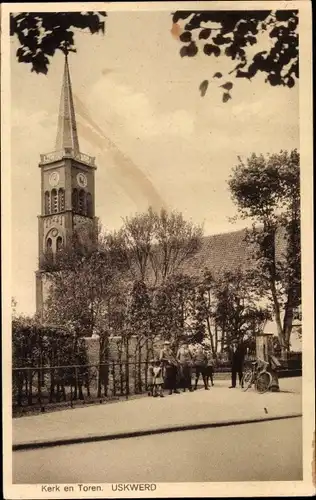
[
  {"x": 41, "y": 387},
  {"x": 49, "y": 385}
]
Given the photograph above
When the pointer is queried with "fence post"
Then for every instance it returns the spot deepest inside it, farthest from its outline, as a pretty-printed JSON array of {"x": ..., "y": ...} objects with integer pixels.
[
  {"x": 30, "y": 392},
  {"x": 72, "y": 378},
  {"x": 76, "y": 384},
  {"x": 20, "y": 387},
  {"x": 39, "y": 390},
  {"x": 121, "y": 378},
  {"x": 140, "y": 367},
  {"x": 114, "y": 381}
]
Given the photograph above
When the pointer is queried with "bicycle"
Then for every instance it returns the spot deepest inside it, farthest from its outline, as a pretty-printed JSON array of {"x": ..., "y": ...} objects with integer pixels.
[{"x": 258, "y": 376}]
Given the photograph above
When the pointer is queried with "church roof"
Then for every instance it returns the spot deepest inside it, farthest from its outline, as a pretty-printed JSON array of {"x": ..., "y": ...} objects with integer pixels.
[
  {"x": 220, "y": 253},
  {"x": 67, "y": 136},
  {"x": 226, "y": 252}
]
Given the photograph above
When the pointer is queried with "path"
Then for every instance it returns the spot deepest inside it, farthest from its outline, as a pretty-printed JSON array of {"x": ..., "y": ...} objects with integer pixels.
[{"x": 218, "y": 406}]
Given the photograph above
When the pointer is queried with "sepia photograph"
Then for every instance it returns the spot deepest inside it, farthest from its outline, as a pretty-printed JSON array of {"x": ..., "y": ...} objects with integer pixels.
[{"x": 158, "y": 262}]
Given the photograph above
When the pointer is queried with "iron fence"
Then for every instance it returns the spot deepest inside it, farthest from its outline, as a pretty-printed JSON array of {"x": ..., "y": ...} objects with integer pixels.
[{"x": 40, "y": 387}]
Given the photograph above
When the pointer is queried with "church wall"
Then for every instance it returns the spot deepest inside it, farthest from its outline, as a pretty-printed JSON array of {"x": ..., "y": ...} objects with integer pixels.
[{"x": 93, "y": 349}]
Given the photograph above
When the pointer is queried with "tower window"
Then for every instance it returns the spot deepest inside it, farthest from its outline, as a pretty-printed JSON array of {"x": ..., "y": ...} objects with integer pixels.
[
  {"x": 59, "y": 244},
  {"x": 49, "y": 246},
  {"x": 75, "y": 200},
  {"x": 82, "y": 202},
  {"x": 47, "y": 203},
  {"x": 54, "y": 202},
  {"x": 61, "y": 200},
  {"x": 89, "y": 205}
]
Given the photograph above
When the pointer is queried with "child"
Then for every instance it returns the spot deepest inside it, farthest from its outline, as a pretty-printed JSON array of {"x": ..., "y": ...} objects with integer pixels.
[
  {"x": 157, "y": 389},
  {"x": 150, "y": 376}
]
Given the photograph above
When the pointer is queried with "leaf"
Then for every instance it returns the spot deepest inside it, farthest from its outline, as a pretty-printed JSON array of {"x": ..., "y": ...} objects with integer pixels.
[
  {"x": 227, "y": 86},
  {"x": 203, "y": 87},
  {"x": 226, "y": 97},
  {"x": 210, "y": 49},
  {"x": 205, "y": 33},
  {"x": 180, "y": 14},
  {"x": 217, "y": 75},
  {"x": 290, "y": 82},
  {"x": 185, "y": 36},
  {"x": 192, "y": 49},
  {"x": 217, "y": 51},
  {"x": 184, "y": 51}
]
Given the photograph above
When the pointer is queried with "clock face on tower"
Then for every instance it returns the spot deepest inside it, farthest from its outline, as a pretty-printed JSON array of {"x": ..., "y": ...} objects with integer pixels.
[
  {"x": 53, "y": 179},
  {"x": 82, "y": 180}
]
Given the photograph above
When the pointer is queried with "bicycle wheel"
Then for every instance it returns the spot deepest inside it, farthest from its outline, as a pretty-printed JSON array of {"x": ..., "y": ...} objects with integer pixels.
[
  {"x": 247, "y": 380},
  {"x": 263, "y": 382}
]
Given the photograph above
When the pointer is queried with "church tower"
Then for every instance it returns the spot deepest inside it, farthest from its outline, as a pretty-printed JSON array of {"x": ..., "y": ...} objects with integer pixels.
[{"x": 67, "y": 191}]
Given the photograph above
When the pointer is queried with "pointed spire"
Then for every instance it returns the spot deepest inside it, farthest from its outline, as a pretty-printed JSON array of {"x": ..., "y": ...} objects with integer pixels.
[{"x": 67, "y": 136}]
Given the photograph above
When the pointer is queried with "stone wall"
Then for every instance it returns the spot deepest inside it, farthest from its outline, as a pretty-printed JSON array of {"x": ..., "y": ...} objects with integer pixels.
[{"x": 117, "y": 352}]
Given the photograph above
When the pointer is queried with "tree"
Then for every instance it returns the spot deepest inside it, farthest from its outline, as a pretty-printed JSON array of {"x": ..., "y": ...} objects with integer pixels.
[
  {"x": 228, "y": 307},
  {"x": 40, "y": 34},
  {"x": 86, "y": 293},
  {"x": 267, "y": 190},
  {"x": 82, "y": 279},
  {"x": 176, "y": 240},
  {"x": 239, "y": 313},
  {"x": 136, "y": 238},
  {"x": 140, "y": 325},
  {"x": 156, "y": 244},
  {"x": 218, "y": 33},
  {"x": 174, "y": 307},
  {"x": 231, "y": 33},
  {"x": 35, "y": 346}
]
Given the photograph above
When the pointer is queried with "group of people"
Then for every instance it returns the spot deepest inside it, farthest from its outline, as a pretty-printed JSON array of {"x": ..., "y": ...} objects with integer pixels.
[{"x": 173, "y": 371}]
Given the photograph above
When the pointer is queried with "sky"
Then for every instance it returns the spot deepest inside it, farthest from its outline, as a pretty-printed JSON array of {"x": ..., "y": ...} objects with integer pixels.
[{"x": 140, "y": 113}]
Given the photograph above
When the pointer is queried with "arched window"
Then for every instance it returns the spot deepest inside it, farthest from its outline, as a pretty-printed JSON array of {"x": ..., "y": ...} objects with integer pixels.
[
  {"x": 49, "y": 246},
  {"x": 75, "y": 200},
  {"x": 89, "y": 205},
  {"x": 47, "y": 203},
  {"x": 54, "y": 202},
  {"x": 59, "y": 244},
  {"x": 61, "y": 200},
  {"x": 82, "y": 202}
]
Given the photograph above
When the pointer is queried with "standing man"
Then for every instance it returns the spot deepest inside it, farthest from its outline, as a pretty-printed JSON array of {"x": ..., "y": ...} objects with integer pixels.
[
  {"x": 210, "y": 368},
  {"x": 237, "y": 362},
  {"x": 200, "y": 362},
  {"x": 185, "y": 359},
  {"x": 170, "y": 367}
]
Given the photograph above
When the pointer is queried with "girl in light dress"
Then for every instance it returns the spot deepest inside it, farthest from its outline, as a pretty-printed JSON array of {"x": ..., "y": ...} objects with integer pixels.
[{"x": 157, "y": 381}]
